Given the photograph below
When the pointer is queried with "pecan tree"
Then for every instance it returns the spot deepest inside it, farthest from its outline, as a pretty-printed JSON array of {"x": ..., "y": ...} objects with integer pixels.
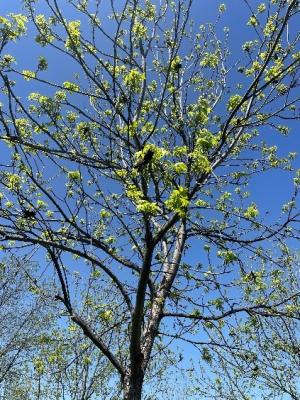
[{"x": 136, "y": 168}]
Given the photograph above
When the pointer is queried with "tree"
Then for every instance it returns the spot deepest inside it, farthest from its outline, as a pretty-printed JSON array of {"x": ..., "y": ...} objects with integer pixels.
[
  {"x": 41, "y": 357},
  {"x": 23, "y": 319},
  {"x": 258, "y": 353},
  {"x": 136, "y": 169}
]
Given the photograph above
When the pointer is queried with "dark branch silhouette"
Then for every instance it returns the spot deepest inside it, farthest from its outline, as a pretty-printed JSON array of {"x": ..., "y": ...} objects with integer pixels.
[{"x": 143, "y": 162}]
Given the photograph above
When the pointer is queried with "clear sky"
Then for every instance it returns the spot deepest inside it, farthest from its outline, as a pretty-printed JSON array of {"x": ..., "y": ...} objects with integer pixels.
[{"x": 269, "y": 190}]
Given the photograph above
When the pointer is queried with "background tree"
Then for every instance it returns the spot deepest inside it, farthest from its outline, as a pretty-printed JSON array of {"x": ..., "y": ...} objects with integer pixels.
[
  {"x": 137, "y": 168},
  {"x": 24, "y": 318},
  {"x": 45, "y": 356},
  {"x": 260, "y": 352}
]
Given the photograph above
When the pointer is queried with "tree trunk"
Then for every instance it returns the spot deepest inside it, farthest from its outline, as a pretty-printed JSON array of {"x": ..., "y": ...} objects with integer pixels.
[{"x": 133, "y": 385}]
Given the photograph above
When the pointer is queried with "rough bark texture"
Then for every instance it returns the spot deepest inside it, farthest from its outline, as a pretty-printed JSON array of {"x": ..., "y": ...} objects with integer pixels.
[{"x": 133, "y": 384}]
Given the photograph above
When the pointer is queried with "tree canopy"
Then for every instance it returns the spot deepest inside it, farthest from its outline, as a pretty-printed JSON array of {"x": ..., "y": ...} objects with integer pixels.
[{"x": 131, "y": 180}]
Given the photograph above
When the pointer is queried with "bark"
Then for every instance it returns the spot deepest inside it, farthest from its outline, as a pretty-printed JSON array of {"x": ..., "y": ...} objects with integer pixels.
[
  {"x": 134, "y": 376},
  {"x": 158, "y": 304},
  {"x": 133, "y": 384}
]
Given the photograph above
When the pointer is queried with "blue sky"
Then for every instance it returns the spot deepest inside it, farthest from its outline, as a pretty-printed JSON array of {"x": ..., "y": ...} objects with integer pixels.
[{"x": 269, "y": 189}]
